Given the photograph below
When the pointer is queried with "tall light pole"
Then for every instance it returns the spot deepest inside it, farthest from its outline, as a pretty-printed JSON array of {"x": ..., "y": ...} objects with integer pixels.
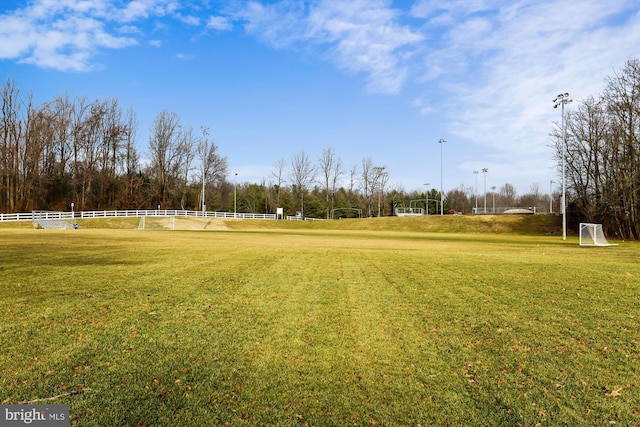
[
  {"x": 426, "y": 198},
  {"x": 203, "y": 203},
  {"x": 235, "y": 194},
  {"x": 551, "y": 196},
  {"x": 379, "y": 182},
  {"x": 441, "y": 142},
  {"x": 484, "y": 173},
  {"x": 562, "y": 100},
  {"x": 204, "y": 147},
  {"x": 476, "y": 192}
]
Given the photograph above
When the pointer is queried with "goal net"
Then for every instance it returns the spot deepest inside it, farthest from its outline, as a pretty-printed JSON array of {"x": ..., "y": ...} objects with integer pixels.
[
  {"x": 592, "y": 235},
  {"x": 157, "y": 223}
]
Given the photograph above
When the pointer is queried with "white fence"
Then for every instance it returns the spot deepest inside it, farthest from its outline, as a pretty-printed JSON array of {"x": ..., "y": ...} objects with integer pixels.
[
  {"x": 43, "y": 215},
  {"x": 409, "y": 211},
  {"x": 506, "y": 210}
]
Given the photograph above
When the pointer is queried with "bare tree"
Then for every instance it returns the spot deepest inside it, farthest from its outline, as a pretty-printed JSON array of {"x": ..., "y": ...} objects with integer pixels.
[
  {"x": 10, "y": 141},
  {"x": 63, "y": 108},
  {"x": 36, "y": 136},
  {"x": 132, "y": 161},
  {"x": 213, "y": 166},
  {"x": 133, "y": 197},
  {"x": 380, "y": 179},
  {"x": 587, "y": 154},
  {"x": 372, "y": 179},
  {"x": 277, "y": 179},
  {"x": 79, "y": 117},
  {"x": 367, "y": 178},
  {"x": 460, "y": 198},
  {"x": 186, "y": 153},
  {"x": 90, "y": 146},
  {"x": 603, "y": 155},
  {"x": 622, "y": 95},
  {"x": 112, "y": 153},
  {"x": 395, "y": 196},
  {"x": 331, "y": 170},
  {"x": 508, "y": 194},
  {"x": 302, "y": 175},
  {"x": 353, "y": 181},
  {"x": 534, "y": 198},
  {"x": 164, "y": 146}
]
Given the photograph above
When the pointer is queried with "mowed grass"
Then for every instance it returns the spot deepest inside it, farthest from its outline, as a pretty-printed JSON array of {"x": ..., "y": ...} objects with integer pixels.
[{"x": 320, "y": 327}]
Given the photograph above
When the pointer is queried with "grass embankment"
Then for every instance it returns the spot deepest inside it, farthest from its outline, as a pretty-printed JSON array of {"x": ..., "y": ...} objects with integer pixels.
[
  {"x": 519, "y": 224},
  {"x": 278, "y": 328},
  {"x": 504, "y": 224}
]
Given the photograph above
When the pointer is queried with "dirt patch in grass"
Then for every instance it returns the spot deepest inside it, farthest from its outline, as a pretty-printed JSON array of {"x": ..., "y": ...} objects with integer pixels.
[{"x": 182, "y": 223}]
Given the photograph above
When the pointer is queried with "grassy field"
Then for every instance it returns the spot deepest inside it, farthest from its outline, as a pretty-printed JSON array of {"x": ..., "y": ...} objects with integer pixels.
[{"x": 276, "y": 324}]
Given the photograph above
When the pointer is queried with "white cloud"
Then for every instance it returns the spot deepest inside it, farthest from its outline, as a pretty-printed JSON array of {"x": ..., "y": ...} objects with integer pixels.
[
  {"x": 67, "y": 34},
  {"x": 422, "y": 106},
  {"x": 500, "y": 67},
  {"x": 279, "y": 24},
  {"x": 14, "y": 37},
  {"x": 366, "y": 38},
  {"x": 362, "y": 36},
  {"x": 129, "y": 29},
  {"x": 141, "y": 9},
  {"x": 189, "y": 19},
  {"x": 486, "y": 69},
  {"x": 185, "y": 56},
  {"x": 431, "y": 8},
  {"x": 219, "y": 23}
]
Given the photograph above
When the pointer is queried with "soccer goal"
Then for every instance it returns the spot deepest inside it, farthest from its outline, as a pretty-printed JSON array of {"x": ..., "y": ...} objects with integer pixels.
[
  {"x": 592, "y": 235},
  {"x": 348, "y": 212},
  {"x": 157, "y": 223}
]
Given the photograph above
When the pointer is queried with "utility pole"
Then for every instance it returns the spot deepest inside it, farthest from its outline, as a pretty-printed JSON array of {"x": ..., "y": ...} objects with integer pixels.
[
  {"x": 441, "y": 142},
  {"x": 484, "y": 172},
  {"x": 562, "y": 100}
]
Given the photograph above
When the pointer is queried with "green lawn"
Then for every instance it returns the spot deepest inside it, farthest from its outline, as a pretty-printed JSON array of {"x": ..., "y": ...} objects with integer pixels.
[{"x": 320, "y": 327}]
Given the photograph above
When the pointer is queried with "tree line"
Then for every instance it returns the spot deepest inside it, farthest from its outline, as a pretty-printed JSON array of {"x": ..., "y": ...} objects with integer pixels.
[
  {"x": 72, "y": 150},
  {"x": 602, "y": 155},
  {"x": 76, "y": 151}
]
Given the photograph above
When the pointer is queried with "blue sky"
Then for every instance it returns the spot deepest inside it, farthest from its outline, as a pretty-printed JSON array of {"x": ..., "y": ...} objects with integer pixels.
[{"x": 369, "y": 78}]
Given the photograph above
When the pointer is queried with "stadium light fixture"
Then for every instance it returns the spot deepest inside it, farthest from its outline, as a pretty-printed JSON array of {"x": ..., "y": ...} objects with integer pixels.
[
  {"x": 441, "y": 142},
  {"x": 562, "y": 100}
]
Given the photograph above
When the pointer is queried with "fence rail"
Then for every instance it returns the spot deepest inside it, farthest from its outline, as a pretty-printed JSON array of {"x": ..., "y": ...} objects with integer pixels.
[
  {"x": 503, "y": 210},
  {"x": 45, "y": 215},
  {"x": 23, "y": 216}
]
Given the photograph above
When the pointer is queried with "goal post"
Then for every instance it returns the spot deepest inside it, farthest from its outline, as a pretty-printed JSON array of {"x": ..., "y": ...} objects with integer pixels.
[
  {"x": 157, "y": 223},
  {"x": 348, "y": 210},
  {"x": 592, "y": 235}
]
